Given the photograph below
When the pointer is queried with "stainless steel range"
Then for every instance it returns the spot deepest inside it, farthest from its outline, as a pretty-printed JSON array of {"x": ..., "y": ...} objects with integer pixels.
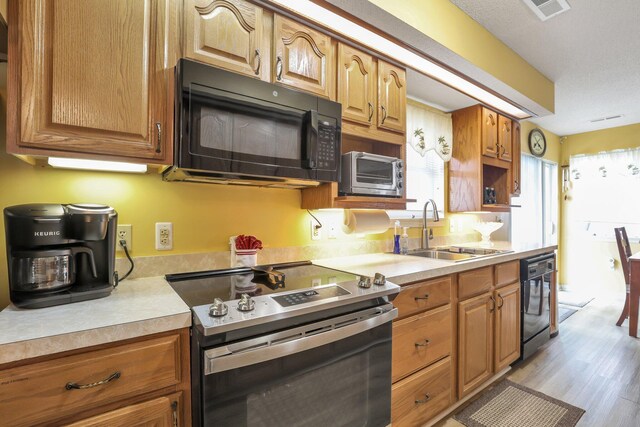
[{"x": 291, "y": 344}]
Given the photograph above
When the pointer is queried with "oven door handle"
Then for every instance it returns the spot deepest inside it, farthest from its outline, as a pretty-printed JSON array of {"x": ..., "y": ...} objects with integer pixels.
[{"x": 238, "y": 357}]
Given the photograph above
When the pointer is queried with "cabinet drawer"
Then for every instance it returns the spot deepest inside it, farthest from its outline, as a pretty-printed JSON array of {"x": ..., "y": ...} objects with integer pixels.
[
  {"x": 474, "y": 282},
  {"x": 39, "y": 392},
  {"x": 408, "y": 406},
  {"x": 507, "y": 273},
  {"x": 423, "y": 296},
  {"x": 420, "y": 340}
]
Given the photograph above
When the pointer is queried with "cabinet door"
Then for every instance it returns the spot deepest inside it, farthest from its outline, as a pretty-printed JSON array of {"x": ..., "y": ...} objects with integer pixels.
[
  {"x": 164, "y": 411},
  {"x": 504, "y": 138},
  {"x": 356, "y": 84},
  {"x": 475, "y": 342},
  {"x": 304, "y": 58},
  {"x": 507, "y": 333},
  {"x": 489, "y": 132},
  {"x": 91, "y": 76},
  {"x": 515, "y": 162},
  {"x": 227, "y": 34},
  {"x": 392, "y": 97}
]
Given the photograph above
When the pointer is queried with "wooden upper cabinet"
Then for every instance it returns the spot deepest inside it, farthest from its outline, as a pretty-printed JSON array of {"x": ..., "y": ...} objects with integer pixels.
[
  {"x": 515, "y": 161},
  {"x": 303, "y": 58},
  {"x": 228, "y": 34},
  {"x": 504, "y": 138},
  {"x": 356, "y": 85},
  {"x": 392, "y": 97},
  {"x": 489, "y": 133},
  {"x": 89, "y": 77}
]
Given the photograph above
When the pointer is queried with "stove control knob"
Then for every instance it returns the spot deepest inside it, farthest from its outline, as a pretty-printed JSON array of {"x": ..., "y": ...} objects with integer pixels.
[
  {"x": 246, "y": 303},
  {"x": 218, "y": 308},
  {"x": 379, "y": 279},
  {"x": 364, "y": 282}
]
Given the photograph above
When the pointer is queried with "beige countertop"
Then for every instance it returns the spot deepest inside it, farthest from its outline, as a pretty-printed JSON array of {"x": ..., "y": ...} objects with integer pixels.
[
  {"x": 404, "y": 269},
  {"x": 135, "y": 308}
]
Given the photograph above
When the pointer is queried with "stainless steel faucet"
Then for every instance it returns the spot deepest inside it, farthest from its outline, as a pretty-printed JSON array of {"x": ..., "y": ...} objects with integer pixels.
[{"x": 425, "y": 231}]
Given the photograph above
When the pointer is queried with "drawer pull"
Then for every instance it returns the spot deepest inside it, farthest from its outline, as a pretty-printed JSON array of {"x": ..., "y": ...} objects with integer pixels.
[
  {"x": 72, "y": 386},
  {"x": 425, "y": 297},
  {"x": 174, "y": 410},
  {"x": 425, "y": 400},
  {"x": 422, "y": 343}
]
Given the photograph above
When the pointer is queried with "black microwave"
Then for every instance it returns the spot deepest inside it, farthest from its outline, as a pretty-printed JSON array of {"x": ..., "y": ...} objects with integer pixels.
[{"x": 235, "y": 129}]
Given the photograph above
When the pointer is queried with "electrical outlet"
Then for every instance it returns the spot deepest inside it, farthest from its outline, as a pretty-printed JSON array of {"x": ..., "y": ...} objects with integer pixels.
[
  {"x": 332, "y": 232},
  {"x": 164, "y": 236},
  {"x": 316, "y": 232},
  {"x": 124, "y": 233},
  {"x": 452, "y": 225}
]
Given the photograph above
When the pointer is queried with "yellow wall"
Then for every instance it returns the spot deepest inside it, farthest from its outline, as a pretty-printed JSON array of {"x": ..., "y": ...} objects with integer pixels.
[
  {"x": 585, "y": 264},
  {"x": 451, "y": 27}
]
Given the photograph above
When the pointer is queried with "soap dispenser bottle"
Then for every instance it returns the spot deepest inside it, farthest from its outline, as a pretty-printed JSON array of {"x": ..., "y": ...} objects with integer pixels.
[{"x": 404, "y": 241}]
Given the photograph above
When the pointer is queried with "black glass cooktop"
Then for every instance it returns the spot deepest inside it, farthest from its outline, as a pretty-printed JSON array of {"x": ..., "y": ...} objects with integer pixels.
[{"x": 201, "y": 288}]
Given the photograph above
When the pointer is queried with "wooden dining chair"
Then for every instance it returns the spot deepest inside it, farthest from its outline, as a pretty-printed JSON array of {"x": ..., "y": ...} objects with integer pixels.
[{"x": 625, "y": 252}]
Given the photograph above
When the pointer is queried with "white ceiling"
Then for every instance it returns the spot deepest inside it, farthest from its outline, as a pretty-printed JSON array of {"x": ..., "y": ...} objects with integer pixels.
[{"x": 591, "y": 52}]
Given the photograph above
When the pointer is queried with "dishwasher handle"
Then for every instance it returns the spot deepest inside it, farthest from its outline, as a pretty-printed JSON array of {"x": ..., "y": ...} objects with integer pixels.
[{"x": 245, "y": 354}]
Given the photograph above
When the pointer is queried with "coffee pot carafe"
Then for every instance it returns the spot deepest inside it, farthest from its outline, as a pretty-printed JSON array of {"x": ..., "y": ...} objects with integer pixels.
[{"x": 59, "y": 254}]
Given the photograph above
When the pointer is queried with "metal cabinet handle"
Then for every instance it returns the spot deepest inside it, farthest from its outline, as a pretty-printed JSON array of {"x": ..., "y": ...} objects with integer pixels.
[
  {"x": 422, "y": 343},
  {"x": 278, "y": 68},
  {"x": 174, "y": 409},
  {"x": 159, "y": 137},
  {"x": 504, "y": 150},
  {"x": 384, "y": 114},
  {"x": 501, "y": 301},
  {"x": 425, "y": 297},
  {"x": 370, "y": 111},
  {"x": 425, "y": 400},
  {"x": 76, "y": 386},
  {"x": 516, "y": 185},
  {"x": 493, "y": 306},
  {"x": 259, "y": 59}
]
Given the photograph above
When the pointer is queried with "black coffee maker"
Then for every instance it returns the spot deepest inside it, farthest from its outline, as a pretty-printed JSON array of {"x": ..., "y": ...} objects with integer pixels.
[{"x": 58, "y": 254}]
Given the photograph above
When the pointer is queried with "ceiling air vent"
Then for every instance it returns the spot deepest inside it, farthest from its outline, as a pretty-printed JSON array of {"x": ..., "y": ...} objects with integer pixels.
[
  {"x": 603, "y": 119},
  {"x": 546, "y": 9}
]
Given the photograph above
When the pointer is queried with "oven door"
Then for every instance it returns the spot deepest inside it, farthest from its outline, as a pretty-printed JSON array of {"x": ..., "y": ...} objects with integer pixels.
[{"x": 336, "y": 372}]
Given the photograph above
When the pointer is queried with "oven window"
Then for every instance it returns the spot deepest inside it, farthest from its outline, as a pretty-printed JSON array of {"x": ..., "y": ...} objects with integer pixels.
[
  {"x": 535, "y": 305},
  {"x": 374, "y": 172},
  {"x": 344, "y": 383},
  {"x": 257, "y": 135}
]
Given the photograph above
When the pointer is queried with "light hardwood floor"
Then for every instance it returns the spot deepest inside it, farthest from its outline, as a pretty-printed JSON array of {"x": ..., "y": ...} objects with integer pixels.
[{"x": 592, "y": 364}]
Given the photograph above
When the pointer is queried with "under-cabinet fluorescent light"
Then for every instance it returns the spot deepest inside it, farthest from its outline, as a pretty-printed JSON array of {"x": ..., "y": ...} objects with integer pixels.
[
  {"x": 96, "y": 165},
  {"x": 317, "y": 13}
]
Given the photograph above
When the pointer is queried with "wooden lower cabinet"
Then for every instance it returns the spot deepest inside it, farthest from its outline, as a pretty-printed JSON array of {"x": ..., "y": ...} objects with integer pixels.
[
  {"x": 103, "y": 385},
  {"x": 421, "y": 296},
  {"x": 507, "y": 330},
  {"x": 420, "y": 397},
  {"x": 161, "y": 412},
  {"x": 420, "y": 340},
  {"x": 475, "y": 342}
]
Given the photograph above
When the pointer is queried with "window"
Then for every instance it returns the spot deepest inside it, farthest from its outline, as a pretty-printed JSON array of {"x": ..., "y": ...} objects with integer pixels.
[
  {"x": 535, "y": 221},
  {"x": 425, "y": 158},
  {"x": 602, "y": 193}
]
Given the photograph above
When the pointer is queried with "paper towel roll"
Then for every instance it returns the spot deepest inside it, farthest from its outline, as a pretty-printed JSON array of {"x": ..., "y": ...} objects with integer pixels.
[{"x": 365, "y": 221}]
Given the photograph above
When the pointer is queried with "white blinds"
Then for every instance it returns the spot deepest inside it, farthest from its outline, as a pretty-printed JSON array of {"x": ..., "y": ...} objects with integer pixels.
[{"x": 425, "y": 164}]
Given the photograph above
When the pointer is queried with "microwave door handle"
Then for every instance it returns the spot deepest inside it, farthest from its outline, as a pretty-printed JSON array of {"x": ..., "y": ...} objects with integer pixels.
[{"x": 311, "y": 138}]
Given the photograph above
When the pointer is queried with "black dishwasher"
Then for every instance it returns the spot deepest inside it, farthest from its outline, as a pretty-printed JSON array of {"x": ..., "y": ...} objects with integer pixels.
[{"x": 536, "y": 282}]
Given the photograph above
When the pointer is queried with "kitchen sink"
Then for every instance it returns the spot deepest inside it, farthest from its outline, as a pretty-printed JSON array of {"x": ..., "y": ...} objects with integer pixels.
[
  {"x": 456, "y": 253},
  {"x": 436, "y": 254}
]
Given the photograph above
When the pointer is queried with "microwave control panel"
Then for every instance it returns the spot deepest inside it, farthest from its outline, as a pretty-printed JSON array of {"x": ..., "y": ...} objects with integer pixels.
[{"x": 327, "y": 146}]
